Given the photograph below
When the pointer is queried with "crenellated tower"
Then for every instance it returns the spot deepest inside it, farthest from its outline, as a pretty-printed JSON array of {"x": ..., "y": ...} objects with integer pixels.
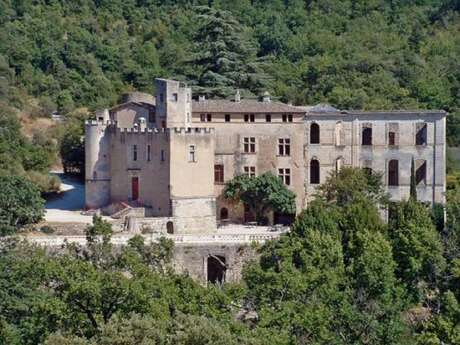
[{"x": 97, "y": 161}]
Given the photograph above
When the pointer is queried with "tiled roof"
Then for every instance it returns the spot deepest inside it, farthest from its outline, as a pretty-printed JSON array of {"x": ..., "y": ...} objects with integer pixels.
[{"x": 244, "y": 106}]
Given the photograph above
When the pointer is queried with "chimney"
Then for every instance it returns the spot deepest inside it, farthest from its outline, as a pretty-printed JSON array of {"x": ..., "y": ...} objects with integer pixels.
[
  {"x": 266, "y": 97},
  {"x": 237, "y": 96},
  {"x": 201, "y": 98}
]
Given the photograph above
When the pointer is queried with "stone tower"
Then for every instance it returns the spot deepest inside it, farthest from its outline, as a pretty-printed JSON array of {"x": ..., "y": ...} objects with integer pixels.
[
  {"x": 97, "y": 161},
  {"x": 173, "y": 103}
]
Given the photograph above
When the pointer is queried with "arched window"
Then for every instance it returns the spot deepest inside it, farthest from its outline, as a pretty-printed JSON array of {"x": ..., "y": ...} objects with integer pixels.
[
  {"x": 339, "y": 140},
  {"x": 314, "y": 171},
  {"x": 170, "y": 227},
  {"x": 338, "y": 164},
  {"x": 223, "y": 213},
  {"x": 393, "y": 173},
  {"x": 314, "y": 133},
  {"x": 367, "y": 136}
]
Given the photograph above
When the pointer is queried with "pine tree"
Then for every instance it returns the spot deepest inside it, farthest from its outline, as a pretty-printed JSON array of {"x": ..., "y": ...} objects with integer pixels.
[{"x": 226, "y": 55}]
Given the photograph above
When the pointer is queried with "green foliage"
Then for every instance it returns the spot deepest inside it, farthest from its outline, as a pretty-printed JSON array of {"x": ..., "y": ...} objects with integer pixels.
[
  {"x": 20, "y": 203},
  {"x": 263, "y": 193},
  {"x": 417, "y": 247},
  {"x": 351, "y": 184},
  {"x": 72, "y": 148}
]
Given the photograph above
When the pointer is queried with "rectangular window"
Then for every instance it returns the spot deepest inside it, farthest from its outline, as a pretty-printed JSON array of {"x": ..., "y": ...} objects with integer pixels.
[
  {"x": 202, "y": 117},
  {"x": 251, "y": 118},
  {"x": 162, "y": 155},
  {"x": 218, "y": 173},
  {"x": 149, "y": 153},
  {"x": 289, "y": 117},
  {"x": 191, "y": 153},
  {"x": 152, "y": 118},
  {"x": 285, "y": 176},
  {"x": 268, "y": 117},
  {"x": 250, "y": 171},
  {"x": 391, "y": 138},
  {"x": 246, "y": 117},
  {"x": 421, "y": 134},
  {"x": 227, "y": 117},
  {"x": 174, "y": 97},
  {"x": 366, "y": 134},
  {"x": 208, "y": 117},
  {"x": 249, "y": 144},
  {"x": 420, "y": 171},
  {"x": 134, "y": 152},
  {"x": 284, "y": 117},
  {"x": 284, "y": 147}
]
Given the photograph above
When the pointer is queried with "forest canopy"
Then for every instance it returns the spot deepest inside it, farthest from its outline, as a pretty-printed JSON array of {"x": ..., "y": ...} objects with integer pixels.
[{"x": 352, "y": 54}]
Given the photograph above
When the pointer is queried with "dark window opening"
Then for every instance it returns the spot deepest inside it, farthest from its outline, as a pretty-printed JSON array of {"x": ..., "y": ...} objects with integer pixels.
[
  {"x": 170, "y": 227},
  {"x": 208, "y": 117},
  {"x": 216, "y": 269},
  {"x": 284, "y": 147},
  {"x": 284, "y": 117},
  {"x": 314, "y": 133},
  {"x": 246, "y": 117},
  {"x": 251, "y": 117},
  {"x": 218, "y": 173},
  {"x": 285, "y": 176},
  {"x": 135, "y": 153},
  {"x": 227, "y": 117},
  {"x": 391, "y": 138},
  {"x": 289, "y": 117},
  {"x": 250, "y": 171},
  {"x": 420, "y": 137},
  {"x": 367, "y": 136},
  {"x": 202, "y": 117},
  {"x": 420, "y": 172},
  {"x": 152, "y": 118},
  {"x": 393, "y": 173},
  {"x": 223, "y": 213},
  {"x": 268, "y": 118},
  {"x": 314, "y": 172},
  {"x": 249, "y": 144}
]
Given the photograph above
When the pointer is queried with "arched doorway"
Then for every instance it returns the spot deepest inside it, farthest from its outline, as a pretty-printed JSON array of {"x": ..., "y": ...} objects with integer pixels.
[
  {"x": 216, "y": 269},
  {"x": 223, "y": 213},
  {"x": 170, "y": 227}
]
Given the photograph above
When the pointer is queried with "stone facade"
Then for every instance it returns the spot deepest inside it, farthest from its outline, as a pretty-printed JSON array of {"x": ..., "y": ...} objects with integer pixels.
[{"x": 173, "y": 155}]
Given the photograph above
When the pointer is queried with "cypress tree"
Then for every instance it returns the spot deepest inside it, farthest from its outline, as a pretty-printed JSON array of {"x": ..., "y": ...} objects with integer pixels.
[{"x": 413, "y": 185}]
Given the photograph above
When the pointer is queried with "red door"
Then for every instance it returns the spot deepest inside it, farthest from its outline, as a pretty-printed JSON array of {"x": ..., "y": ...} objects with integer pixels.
[{"x": 135, "y": 188}]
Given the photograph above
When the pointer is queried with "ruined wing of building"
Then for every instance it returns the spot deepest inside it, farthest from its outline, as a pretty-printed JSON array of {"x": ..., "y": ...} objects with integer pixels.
[{"x": 171, "y": 155}]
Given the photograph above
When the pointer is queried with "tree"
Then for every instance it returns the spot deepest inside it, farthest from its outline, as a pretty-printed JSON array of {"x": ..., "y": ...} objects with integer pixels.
[
  {"x": 225, "y": 54},
  {"x": 413, "y": 184},
  {"x": 20, "y": 203},
  {"x": 262, "y": 194},
  {"x": 351, "y": 184},
  {"x": 72, "y": 149},
  {"x": 417, "y": 248}
]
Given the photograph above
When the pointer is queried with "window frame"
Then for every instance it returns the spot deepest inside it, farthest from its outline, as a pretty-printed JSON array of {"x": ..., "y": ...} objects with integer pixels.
[
  {"x": 219, "y": 174},
  {"x": 285, "y": 175},
  {"x": 284, "y": 147}
]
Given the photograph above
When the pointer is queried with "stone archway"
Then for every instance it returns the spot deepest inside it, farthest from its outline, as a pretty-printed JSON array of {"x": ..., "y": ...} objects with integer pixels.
[{"x": 216, "y": 269}]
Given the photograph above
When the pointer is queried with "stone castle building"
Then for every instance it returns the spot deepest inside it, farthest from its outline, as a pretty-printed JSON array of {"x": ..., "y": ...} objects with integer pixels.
[{"x": 172, "y": 155}]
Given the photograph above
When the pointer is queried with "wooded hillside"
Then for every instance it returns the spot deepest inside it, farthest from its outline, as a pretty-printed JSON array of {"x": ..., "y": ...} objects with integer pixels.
[{"x": 371, "y": 54}]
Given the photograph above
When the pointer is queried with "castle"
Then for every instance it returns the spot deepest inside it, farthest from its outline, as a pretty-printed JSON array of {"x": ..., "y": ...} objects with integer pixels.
[{"x": 171, "y": 155}]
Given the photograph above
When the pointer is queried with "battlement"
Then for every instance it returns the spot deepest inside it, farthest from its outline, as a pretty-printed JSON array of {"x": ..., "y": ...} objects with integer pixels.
[
  {"x": 99, "y": 123},
  {"x": 175, "y": 130}
]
